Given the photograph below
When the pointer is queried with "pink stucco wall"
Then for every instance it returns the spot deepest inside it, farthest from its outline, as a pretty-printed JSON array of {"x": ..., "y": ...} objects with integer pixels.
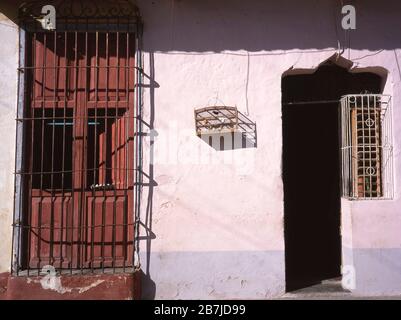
[{"x": 217, "y": 224}]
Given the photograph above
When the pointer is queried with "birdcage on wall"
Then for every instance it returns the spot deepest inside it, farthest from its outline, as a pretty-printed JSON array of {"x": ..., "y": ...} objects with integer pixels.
[
  {"x": 224, "y": 121},
  {"x": 217, "y": 119}
]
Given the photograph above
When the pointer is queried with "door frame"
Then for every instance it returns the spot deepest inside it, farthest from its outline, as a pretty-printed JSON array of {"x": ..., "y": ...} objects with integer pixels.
[{"x": 19, "y": 258}]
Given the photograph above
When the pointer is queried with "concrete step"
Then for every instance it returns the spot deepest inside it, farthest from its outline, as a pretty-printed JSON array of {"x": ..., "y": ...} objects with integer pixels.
[{"x": 330, "y": 290}]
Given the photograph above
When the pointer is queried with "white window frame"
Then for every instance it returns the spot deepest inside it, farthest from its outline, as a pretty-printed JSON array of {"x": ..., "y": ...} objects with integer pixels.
[{"x": 366, "y": 147}]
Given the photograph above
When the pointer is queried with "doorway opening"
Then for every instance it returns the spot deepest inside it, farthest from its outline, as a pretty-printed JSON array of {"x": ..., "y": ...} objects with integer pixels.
[{"x": 311, "y": 169}]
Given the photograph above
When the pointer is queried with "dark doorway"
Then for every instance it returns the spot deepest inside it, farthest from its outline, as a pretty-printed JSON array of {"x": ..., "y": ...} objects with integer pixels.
[
  {"x": 311, "y": 170},
  {"x": 312, "y": 194}
]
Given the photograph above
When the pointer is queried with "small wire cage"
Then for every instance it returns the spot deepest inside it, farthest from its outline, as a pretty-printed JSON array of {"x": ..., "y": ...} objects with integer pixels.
[
  {"x": 217, "y": 119},
  {"x": 225, "y": 121}
]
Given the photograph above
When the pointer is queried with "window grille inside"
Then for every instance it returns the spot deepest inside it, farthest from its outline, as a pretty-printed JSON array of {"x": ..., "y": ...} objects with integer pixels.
[
  {"x": 56, "y": 171},
  {"x": 367, "y": 150}
]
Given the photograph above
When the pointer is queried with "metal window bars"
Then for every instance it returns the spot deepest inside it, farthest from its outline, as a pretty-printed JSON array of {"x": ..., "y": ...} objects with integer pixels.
[
  {"x": 366, "y": 147},
  {"x": 78, "y": 142}
]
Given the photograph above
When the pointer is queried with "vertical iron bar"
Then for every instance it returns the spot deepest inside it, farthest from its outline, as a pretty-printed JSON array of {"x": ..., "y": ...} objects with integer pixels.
[
  {"x": 87, "y": 70},
  {"x": 350, "y": 184},
  {"x": 383, "y": 143},
  {"x": 117, "y": 173},
  {"x": 370, "y": 143},
  {"x": 55, "y": 70},
  {"x": 344, "y": 146},
  {"x": 138, "y": 139},
  {"x": 64, "y": 153},
  {"x": 74, "y": 128},
  {"x": 375, "y": 151},
  {"x": 105, "y": 139},
  {"x": 127, "y": 139},
  {"x": 18, "y": 178},
  {"x": 42, "y": 149},
  {"x": 82, "y": 194},
  {"x": 363, "y": 147},
  {"x": 136, "y": 151},
  {"x": 84, "y": 220},
  {"x": 340, "y": 127},
  {"x": 31, "y": 111},
  {"x": 95, "y": 152}
]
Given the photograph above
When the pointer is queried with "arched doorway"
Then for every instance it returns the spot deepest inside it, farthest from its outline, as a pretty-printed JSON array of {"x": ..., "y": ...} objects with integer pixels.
[{"x": 311, "y": 169}]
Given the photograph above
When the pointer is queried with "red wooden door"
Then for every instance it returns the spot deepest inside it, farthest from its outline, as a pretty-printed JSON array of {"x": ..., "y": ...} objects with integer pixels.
[{"x": 80, "y": 126}]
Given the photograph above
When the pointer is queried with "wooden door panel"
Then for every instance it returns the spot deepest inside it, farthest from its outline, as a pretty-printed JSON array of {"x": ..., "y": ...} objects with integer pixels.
[
  {"x": 82, "y": 95},
  {"x": 110, "y": 81},
  {"x": 108, "y": 230},
  {"x": 113, "y": 144},
  {"x": 50, "y": 236},
  {"x": 53, "y": 74}
]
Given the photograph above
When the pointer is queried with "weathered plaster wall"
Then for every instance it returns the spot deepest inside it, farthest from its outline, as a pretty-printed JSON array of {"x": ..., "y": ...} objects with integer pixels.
[
  {"x": 217, "y": 226},
  {"x": 8, "y": 100},
  {"x": 122, "y": 286}
]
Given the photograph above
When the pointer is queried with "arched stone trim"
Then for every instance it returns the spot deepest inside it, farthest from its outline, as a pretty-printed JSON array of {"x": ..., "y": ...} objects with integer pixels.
[{"x": 344, "y": 63}]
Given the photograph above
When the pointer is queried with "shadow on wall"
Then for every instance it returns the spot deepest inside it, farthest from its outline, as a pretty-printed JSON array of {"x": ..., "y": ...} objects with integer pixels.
[
  {"x": 229, "y": 141},
  {"x": 10, "y": 9},
  {"x": 214, "y": 26},
  {"x": 243, "y": 137},
  {"x": 148, "y": 286}
]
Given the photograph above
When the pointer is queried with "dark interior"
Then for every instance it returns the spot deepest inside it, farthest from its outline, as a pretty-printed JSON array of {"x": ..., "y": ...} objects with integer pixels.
[
  {"x": 311, "y": 170},
  {"x": 52, "y": 132}
]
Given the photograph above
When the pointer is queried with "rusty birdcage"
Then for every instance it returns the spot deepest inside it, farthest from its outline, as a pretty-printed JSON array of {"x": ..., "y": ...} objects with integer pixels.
[
  {"x": 225, "y": 122},
  {"x": 216, "y": 119}
]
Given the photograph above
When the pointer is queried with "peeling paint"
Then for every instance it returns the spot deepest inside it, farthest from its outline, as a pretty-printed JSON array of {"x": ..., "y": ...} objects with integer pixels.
[
  {"x": 54, "y": 283},
  {"x": 74, "y": 287},
  {"x": 95, "y": 284}
]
